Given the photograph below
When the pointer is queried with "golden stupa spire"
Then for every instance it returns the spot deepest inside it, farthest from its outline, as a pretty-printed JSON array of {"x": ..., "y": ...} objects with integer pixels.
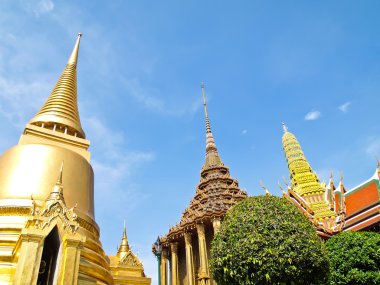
[
  {"x": 124, "y": 246},
  {"x": 303, "y": 178},
  {"x": 212, "y": 155},
  {"x": 60, "y": 111}
]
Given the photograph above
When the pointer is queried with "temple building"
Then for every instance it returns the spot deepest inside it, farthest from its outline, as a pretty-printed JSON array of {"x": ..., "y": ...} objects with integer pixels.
[
  {"x": 186, "y": 247},
  {"x": 331, "y": 209},
  {"x": 48, "y": 232}
]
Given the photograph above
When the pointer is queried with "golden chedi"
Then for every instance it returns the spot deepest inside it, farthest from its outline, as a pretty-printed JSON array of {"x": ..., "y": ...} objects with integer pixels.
[{"x": 48, "y": 233}]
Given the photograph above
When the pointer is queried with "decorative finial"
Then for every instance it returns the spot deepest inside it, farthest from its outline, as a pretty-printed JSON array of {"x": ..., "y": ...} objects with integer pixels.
[
  {"x": 285, "y": 182},
  {"x": 263, "y": 186},
  {"x": 74, "y": 54},
  {"x": 204, "y": 96},
  {"x": 280, "y": 186},
  {"x": 125, "y": 230},
  {"x": 208, "y": 127},
  {"x": 284, "y": 127},
  {"x": 59, "y": 180},
  {"x": 331, "y": 175},
  {"x": 341, "y": 176},
  {"x": 378, "y": 163}
]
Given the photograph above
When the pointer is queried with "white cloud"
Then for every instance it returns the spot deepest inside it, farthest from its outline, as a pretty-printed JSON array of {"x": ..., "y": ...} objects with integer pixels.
[
  {"x": 313, "y": 115},
  {"x": 344, "y": 107},
  {"x": 135, "y": 89},
  {"x": 19, "y": 98},
  {"x": 150, "y": 98},
  {"x": 114, "y": 167},
  {"x": 244, "y": 132},
  {"x": 39, "y": 7},
  {"x": 373, "y": 148}
]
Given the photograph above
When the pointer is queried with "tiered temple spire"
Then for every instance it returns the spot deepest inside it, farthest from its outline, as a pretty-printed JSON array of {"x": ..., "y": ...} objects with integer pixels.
[
  {"x": 60, "y": 111},
  {"x": 306, "y": 184},
  {"x": 216, "y": 192},
  {"x": 212, "y": 155}
]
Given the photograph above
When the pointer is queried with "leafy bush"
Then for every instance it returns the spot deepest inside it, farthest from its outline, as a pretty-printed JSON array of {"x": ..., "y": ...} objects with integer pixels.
[
  {"x": 266, "y": 240},
  {"x": 354, "y": 258}
]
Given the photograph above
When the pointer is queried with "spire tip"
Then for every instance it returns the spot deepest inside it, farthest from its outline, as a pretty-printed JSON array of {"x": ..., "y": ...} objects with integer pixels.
[{"x": 284, "y": 127}]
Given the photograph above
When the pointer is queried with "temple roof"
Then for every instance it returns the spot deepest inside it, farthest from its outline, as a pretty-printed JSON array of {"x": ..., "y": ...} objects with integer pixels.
[{"x": 61, "y": 108}]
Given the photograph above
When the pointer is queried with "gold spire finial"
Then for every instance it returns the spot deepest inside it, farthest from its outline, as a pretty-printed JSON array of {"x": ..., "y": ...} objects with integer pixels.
[
  {"x": 59, "y": 180},
  {"x": 378, "y": 163},
  {"x": 57, "y": 192},
  {"x": 284, "y": 127},
  {"x": 60, "y": 111},
  {"x": 125, "y": 231},
  {"x": 208, "y": 127},
  {"x": 73, "y": 59},
  {"x": 212, "y": 156}
]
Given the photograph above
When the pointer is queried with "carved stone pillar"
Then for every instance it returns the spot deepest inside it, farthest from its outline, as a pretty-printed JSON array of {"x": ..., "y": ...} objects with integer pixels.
[
  {"x": 164, "y": 267},
  {"x": 174, "y": 263},
  {"x": 189, "y": 260},
  {"x": 204, "y": 274},
  {"x": 216, "y": 225}
]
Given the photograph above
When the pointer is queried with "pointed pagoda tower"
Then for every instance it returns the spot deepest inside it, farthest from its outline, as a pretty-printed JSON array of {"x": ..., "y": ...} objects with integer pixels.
[
  {"x": 126, "y": 268},
  {"x": 48, "y": 232},
  {"x": 187, "y": 245},
  {"x": 306, "y": 190}
]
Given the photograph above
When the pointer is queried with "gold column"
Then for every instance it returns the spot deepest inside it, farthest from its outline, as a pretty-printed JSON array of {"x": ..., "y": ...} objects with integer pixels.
[
  {"x": 204, "y": 274},
  {"x": 174, "y": 263},
  {"x": 216, "y": 225},
  {"x": 189, "y": 260},
  {"x": 69, "y": 262},
  {"x": 28, "y": 265},
  {"x": 164, "y": 267}
]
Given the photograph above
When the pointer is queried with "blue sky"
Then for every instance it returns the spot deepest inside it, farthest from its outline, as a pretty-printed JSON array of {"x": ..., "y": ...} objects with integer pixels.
[{"x": 312, "y": 64}]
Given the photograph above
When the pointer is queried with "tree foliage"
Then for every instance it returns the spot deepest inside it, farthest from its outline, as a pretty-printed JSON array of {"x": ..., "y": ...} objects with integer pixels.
[
  {"x": 354, "y": 258},
  {"x": 266, "y": 240}
]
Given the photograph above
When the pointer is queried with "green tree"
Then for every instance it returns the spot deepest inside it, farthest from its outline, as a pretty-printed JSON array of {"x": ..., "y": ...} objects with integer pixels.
[
  {"x": 354, "y": 258},
  {"x": 267, "y": 240}
]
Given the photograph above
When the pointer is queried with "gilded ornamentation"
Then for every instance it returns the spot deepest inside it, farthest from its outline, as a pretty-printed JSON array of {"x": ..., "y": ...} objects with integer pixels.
[
  {"x": 131, "y": 260},
  {"x": 55, "y": 207},
  {"x": 306, "y": 187}
]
